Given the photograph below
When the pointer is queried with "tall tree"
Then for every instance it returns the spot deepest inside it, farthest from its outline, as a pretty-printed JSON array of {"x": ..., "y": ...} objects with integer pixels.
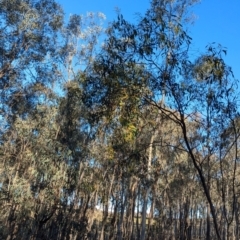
[{"x": 189, "y": 94}]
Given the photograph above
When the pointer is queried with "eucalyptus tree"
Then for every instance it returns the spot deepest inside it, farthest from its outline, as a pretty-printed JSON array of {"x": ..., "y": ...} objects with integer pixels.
[
  {"x": 155, "y": 45},
  {"x": 43, "y": 135},
  {"x": 28, "y": 34},
  {"x": 28, "y": 31},
  {"x": 198, "y": 97}
]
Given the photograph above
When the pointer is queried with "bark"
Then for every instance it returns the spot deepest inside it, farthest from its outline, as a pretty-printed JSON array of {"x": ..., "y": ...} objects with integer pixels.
[
  {"x": 146, "y": 190},
  {"x": 105, "y": 210},
  {"x": 201, "y": 175},
  {"x": 208, "y": 230}
]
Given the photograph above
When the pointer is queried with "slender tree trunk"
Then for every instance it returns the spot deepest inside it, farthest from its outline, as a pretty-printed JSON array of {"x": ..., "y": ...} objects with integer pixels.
[
  {"x": 150, "y": 219},
  {"x": 237, "y": 219},
  {"x": 146, "y": 190},
  {"x": 130, "y": 209},
  {"x": 138, "y": 212},
  {"x": 121, "y": 219},
  {"x": 105, "y": 210},
  {"x": 113, "y": 223},
  {"x": 208, "y": 230},
  {"x": 201, "y": 175}
]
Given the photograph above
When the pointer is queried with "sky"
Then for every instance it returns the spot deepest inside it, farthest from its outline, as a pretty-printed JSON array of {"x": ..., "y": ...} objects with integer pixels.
[{"x": 216, "y": 21}]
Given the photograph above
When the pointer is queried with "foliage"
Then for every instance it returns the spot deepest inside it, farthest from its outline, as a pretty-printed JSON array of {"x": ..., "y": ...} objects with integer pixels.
[{"x": 131, "y": 139}]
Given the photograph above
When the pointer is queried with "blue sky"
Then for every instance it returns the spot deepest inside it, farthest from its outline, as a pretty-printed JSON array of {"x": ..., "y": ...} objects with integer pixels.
[{"x": 216, "y": 21}]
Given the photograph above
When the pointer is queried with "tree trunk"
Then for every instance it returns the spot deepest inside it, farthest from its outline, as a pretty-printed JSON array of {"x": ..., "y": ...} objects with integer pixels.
[
  {"x": 146, "y": 190},
  {"x": 208, "y": 230}
]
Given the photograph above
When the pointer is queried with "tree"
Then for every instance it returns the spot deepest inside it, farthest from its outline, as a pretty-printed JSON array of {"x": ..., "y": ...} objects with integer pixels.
[
  {"x": 42, "y": 150},
  {"x": 188, "y": 93},
  {"x": 28, "y": 31}
]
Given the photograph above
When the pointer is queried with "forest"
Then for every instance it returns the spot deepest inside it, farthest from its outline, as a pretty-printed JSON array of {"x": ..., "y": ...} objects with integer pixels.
[{"x": 115, "y": 130}]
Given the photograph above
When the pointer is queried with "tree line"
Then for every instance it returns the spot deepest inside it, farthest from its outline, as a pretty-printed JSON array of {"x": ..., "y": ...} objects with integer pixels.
[{"x": 115, "y": 132}]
